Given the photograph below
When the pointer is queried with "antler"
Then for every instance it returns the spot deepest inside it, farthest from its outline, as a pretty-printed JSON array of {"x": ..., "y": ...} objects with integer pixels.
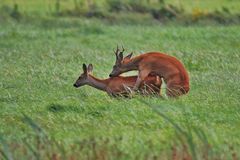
[
  {"x": 122, "y": 50},
  {"x": 116, "y": 52}
]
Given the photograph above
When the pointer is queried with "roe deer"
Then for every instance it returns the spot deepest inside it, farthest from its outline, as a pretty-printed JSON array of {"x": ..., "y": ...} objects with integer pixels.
[
  {"x": 118, "y": 86},
  {"x": 154, "y": 63}
]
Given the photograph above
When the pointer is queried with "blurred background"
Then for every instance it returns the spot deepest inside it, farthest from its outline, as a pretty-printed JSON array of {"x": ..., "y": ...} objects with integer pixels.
[{"x": 127, "y": 11}]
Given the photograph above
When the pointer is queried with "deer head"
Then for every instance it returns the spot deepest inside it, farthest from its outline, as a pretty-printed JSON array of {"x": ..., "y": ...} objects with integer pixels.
[
  {"x": 119, "y": 68},
  {"x": 83, "y": 79}
]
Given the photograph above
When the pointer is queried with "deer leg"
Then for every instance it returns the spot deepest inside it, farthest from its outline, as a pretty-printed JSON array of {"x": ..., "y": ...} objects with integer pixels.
[
  {"x": 137, "y": 84},
  {"x": 141, "y": 76}
]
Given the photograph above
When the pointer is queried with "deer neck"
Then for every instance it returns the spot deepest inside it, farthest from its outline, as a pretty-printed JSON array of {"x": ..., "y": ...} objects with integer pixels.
[
  {"x": 98, "y": 83},
  {"x": 132, "y": 64}
]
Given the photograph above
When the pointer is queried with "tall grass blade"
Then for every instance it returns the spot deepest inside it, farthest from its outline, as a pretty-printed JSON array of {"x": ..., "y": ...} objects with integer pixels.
[
  {"x": 61, "y": 148},
  {"x": 191, "y": 143},
  {"x": 42, "y": 136},
  {"x": 33, "y": 125},
  {"x": 32, "y": 149},
  {"x": 202, "y": 136},
  {"x": 5, "y": 151},
  {"x": 175, "y": 125},
  {"x": 188, "y": 135}
]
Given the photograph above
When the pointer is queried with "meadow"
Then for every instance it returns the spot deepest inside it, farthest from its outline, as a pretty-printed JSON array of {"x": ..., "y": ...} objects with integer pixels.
[{"x": 44, "y": 117}]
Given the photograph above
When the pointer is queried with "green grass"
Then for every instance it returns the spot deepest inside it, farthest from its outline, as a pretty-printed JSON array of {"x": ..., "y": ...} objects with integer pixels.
[{"x": 40, "y": 61}]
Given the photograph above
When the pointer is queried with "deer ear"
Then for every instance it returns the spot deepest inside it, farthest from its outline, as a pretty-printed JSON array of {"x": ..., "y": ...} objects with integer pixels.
[
  {"x": 84, "y": 68},
  {"x": 90, "y": 68},
  {"x": 129, "y": 56}
]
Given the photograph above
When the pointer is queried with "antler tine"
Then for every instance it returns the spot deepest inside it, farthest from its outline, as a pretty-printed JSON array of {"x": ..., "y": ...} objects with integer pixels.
[
  {"x": 117, "y": 50},
  {"x": 122, "y": 49}
]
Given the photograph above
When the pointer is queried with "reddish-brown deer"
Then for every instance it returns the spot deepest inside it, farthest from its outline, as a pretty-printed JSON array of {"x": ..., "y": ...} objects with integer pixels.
[
  {"x": 154, "y": 63},
  {"x": 118, "y": 86}
]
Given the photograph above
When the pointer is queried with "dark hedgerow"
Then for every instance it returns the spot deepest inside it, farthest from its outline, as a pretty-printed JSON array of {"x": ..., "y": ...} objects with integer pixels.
[
  {"x": 115, "y": 11},
  {"x": 166, "y": 12}
]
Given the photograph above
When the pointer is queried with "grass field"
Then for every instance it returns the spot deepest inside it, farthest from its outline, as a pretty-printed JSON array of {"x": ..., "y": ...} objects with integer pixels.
[{"x": 41, "y": 60}]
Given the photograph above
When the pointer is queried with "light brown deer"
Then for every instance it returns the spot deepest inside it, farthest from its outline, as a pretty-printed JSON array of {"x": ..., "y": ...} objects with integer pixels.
[
  {"x": 118, "y": 86},
  {"x": 154, "y": 63}
]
